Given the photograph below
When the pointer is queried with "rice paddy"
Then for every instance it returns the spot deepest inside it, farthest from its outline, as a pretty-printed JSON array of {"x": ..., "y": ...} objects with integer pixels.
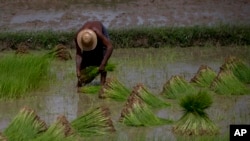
[{"x": 135, "y": 66}]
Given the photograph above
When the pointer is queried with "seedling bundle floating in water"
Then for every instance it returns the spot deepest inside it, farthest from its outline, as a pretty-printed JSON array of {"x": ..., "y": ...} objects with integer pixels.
[
  {"x": 137, "y": 113},
  {"x": 59, "y": 131},
  {"x": 151, "y": 100},
  {"x": 227, "y": 83},
  {"x": 177, "y": 87},
  {"x": 96, "y": 121},
  {"x": 239, "y": 68},
  {"x": 114, "y": 89},
  {"x": 195, "y": 120},
  {"x": 90, "y": 89},
  {"x": 88, "y": 74},
  {"x": 204, "y": 77},
  {"x": 25, "y": 126}
]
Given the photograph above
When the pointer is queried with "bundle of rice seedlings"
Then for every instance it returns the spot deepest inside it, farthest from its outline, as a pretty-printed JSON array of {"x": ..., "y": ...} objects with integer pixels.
[
  {"x": 61, "y": 52},
  {"x": 137, "y": 113},
  {"x": 58, "y": 131},
  {"x": 204, "y": 77},
  {"x": 177, "y": 87},
  {"x": 2, "y": 137},
  {"x": 88, "y": 74},
  {"x": 22, "y": 74},
  {"x": 90, "y": 89},
  {"x": 114, "y": 89},
  {"x": 142, "y": 92},
  {"x": 195, "y": 120},
  {"x": 25, "y": 126},
  {"x": 96, "y": 121},
  {"x": 227, "y": 83},
  {"x": 239, "y": 68}
]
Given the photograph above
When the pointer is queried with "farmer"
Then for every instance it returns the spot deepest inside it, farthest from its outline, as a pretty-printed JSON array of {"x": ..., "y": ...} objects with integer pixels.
[{"x": 93, "y": 48}]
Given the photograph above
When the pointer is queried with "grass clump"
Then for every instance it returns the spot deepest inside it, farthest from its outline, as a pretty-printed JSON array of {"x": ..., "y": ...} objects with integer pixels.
[
  {"x": 195, "y": 120},
  {"x": 227, "y": 83},
  {"x": 25, "y": 126},
  {"x": 20, "y": 74},
  {"x": 96, "y": 121},
  {"x": 239, "y": 68},
  {"x": 88, "y": 74},
  {"x": 176, "y": 87},
  {"x": 91, "y": 89},
  {"x": 150, "y": 99},
  {"x": 137, "y": 113},
  {"x": 204, "y": 77},
  {"x": 59, "y": 131},
  {"x": 114, "y": 89}
]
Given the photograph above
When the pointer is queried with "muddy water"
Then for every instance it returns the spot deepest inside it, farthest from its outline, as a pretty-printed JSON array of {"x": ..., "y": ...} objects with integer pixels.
[
  {"x": 70, "y": 15},
  {"x": 152, "y": 67}
]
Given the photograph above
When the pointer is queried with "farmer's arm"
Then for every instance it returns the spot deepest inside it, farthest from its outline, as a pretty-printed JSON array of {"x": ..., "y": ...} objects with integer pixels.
[
  {"x": 109, "y": 48},
  {"x": 78, "y": 59}
]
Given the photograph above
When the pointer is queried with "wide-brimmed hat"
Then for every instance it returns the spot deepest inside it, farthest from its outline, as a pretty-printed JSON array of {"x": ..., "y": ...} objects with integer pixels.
[{"x": 87, "y": 40}]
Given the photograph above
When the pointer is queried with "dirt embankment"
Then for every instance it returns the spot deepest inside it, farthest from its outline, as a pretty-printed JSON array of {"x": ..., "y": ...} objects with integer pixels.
[{"x": 35, "y": 15}]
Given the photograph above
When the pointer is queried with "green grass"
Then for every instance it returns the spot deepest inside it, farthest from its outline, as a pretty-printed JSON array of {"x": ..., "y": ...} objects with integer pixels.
[
  {"x": 22, "y": 74},
  {"x": 142, "y": 36}
]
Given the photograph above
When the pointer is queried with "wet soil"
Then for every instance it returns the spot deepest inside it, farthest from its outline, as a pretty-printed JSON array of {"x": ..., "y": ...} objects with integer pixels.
[
  {"x": 70, "y": 15},
  {"x": 135, "y": 66}
]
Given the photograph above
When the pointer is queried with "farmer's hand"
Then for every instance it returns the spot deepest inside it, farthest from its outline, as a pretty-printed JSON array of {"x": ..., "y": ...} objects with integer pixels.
[{"x": 101, "y": 68}]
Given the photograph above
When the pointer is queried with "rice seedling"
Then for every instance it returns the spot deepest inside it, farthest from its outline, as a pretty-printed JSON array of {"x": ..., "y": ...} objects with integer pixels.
[
  {"x": 96, "y": 121},
  {"x": 176, "y": 87},
  {"x": 239, "y": 68},
  {"x": 227, "y": 83},
  {"x": 90, "y": 89},
  {"x": 61, "y": 52},
  {"x": 150, "y": 99},
  {"x": 25, "y": 126},
  {"x": 20, "y": 74},
  {"x": 204, "y": 77},
  {"x": 88, "y": 74},
  {"x": 58, "y": 131},
  {"x": 195, "y": 120},
  {"x": 114, "y": 89},
  {"x": 137, "y": 113}
]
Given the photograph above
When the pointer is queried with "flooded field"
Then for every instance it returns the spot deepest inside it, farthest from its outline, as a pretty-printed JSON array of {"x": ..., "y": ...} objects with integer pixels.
[
  {"x": 66, "y": 15},
  {"x": 150, "y": 66}
]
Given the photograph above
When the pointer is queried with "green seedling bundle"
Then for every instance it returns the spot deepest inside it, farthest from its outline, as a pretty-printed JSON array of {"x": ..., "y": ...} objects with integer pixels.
[
  {"x": 114, "y": 89},
  {"x": 204, "y": 77},
  {"x": 58, "y": 131},
  {"x": 150, "y": 99},
  {"x": 239, "y": 68},
  {"x": 227, "y": 83},
  {"x": 137, "y": 113},
  {"x": 88, "y": 74},
  {"x": 25, "y": 126},
  {"x": 195, "y": 120},
  {"x": 96, "y": 121},
  {"x": 176, "y": 87}
]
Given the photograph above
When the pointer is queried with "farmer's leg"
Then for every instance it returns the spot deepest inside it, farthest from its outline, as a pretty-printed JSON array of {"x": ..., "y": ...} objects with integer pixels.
[{"x": 103, "y": 77}]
